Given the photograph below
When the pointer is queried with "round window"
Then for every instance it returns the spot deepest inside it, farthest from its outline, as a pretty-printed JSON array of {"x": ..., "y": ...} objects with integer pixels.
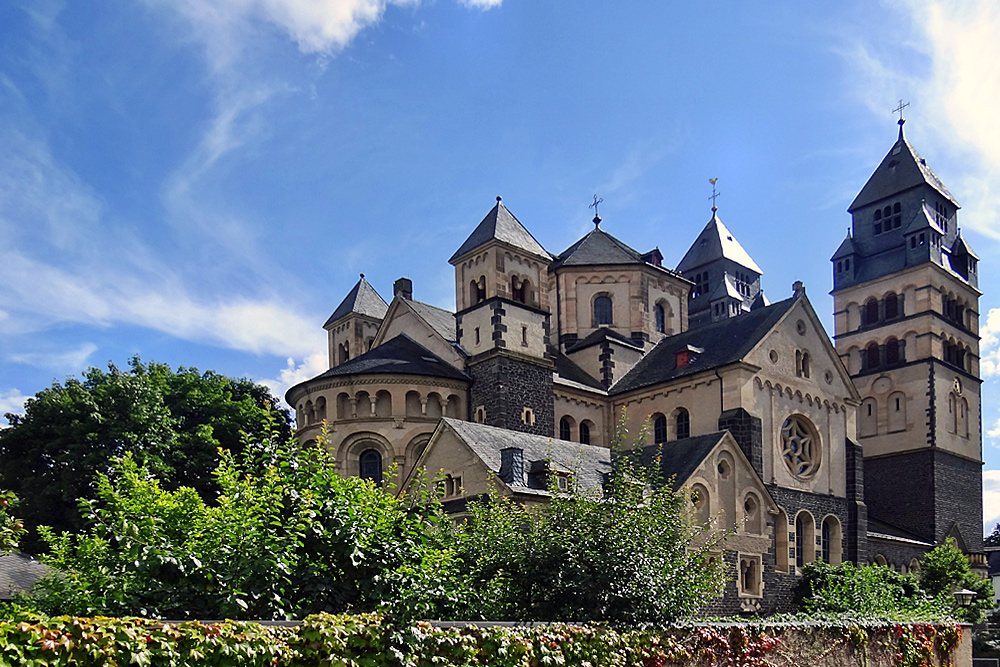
[{"x": 800, "y": 447}]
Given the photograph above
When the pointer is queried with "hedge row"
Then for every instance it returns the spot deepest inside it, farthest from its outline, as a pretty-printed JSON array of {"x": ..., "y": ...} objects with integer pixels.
[{"x": 365, "y": 641}]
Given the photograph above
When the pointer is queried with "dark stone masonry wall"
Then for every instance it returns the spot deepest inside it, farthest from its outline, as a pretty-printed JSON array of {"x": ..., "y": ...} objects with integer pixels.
[
  {"x": 958, "y": 483},
  {"x": 779, "y": 587},
  {"x": 747, "y": 431},
  {"x": 505, "y": 385}
]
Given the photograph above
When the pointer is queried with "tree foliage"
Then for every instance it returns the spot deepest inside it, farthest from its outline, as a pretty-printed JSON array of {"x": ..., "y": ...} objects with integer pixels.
[
  {"x": 630, "y": 556},
  {"x": 993, "y": 539},
  {"x": 881, "y": 592},
  {"x": 171, "y": 422},
  {"x": 287, "y": 537},
  {"x": 11, "y": 528}
]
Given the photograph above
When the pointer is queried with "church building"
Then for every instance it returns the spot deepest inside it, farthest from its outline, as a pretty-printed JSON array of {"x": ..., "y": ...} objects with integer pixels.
[{"x": 801, "y": 446}]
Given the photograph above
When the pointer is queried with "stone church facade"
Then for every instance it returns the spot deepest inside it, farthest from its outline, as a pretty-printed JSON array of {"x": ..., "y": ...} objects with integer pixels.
[{"x": 800, "y": 446}]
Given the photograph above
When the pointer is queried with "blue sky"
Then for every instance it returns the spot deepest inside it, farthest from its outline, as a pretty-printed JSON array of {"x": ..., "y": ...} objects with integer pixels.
[{"x": 200, "y": 181}]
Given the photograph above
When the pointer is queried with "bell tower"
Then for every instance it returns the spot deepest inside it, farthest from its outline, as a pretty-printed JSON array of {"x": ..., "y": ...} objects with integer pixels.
[
  {"x": 906, "y": 309},
  {"x": 501, "y": 299}
]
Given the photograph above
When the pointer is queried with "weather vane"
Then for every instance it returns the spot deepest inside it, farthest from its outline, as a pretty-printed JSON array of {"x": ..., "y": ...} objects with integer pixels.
[
  {"x": 715, "y": 194},
  {"x": 597, "y": 218},
  {"x": 899, "y": 110}
]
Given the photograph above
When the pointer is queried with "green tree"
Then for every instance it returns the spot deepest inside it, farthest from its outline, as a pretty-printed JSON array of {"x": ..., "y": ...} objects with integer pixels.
[
  {"x": 172, "y": 422},
  {"x": 287, "y": 537},
  {"x": 631, "y": 555},
  {"x": 944, "y": 570},
  {"x": 864, "y": 592},
  {"x": 993, "y": 539},
  {"x": 11, "y": 528}
]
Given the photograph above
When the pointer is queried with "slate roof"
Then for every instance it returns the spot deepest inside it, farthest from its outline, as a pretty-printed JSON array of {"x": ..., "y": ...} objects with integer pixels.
[
  {"x": 441, "y": 320},
  {"x": 901, "y": 169},
  {"x": 18, "y": 573},
  {"x": 568, "y": 369},
  {"x": 500, "y": 224},
  {"x": 680, "y": 458},
  {"x": 726, "y": 288},
  {"x": 600, "y": 335},
  {"x": 589, "y": 462},
  {"x": 962, "y": 247},
  {"x": 363, "y": 300},
  {"x": 923, "y": 219},
  {"x": 597, "y": 247},
  {"x": 724, "y": 342},
  {"x": 877, "y": 528},
  {"x": 713, "y": 243},
  {"x": 846, "y": 249},
  {"x": 399, "y": 356}
]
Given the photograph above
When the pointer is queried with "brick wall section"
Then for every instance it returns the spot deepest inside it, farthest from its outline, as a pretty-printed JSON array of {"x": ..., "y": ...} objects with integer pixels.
[
  {"x": 889, "y": 485},
  {"x": 504, "y": 385},
  {"x": 857, "y": 512},
  {"x": 958, "y": 483},
  {"x": 748, "y": 432},
  {"x": 607, "y": 364}
]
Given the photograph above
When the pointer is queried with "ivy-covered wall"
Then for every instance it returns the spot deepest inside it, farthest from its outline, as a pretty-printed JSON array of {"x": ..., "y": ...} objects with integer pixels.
[{"x": 369, "y": 641}]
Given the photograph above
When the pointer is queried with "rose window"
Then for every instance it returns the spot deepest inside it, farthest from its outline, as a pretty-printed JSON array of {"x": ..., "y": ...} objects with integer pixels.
[{"x": 800, "y": 446}]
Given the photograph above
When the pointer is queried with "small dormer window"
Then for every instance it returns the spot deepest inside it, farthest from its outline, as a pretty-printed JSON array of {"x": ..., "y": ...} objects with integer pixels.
[{"x": 683, "y": 358}]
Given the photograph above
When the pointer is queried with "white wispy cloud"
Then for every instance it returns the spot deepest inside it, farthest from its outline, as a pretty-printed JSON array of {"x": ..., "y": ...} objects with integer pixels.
[
  {"x": 294, "y": 373},
  {"x": 989, "y": 344},
  {"x": 11, "y": 401},
  {"x": 991, "y": 499},
  {"x": 62, "y": 360},
  {"x": 956, "y": 93}
]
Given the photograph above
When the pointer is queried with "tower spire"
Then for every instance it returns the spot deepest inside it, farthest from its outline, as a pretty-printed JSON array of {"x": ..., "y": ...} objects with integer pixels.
[
  {"x": 715, "y": 195},
  {"x": 597, "y": 218},
  {"x": 899, "y": 109}
]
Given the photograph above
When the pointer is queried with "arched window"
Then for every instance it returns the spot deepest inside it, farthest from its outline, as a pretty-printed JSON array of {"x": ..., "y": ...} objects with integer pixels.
[
  {"x": 897, "y": 411},
  {"x": 603, "y": 311},
  {"x": 872, "y": 357},
  {"x": 832, "y": 539},
  {"x": 477, "y": 290},
  {"x": 699, "y": 498},
  {"x": 963, "y": 418},
  {"x": 659, "y": 428},
  {"x": 805, "y": 539},
  {"x": 370, "y": 466},
  {"x": 344, "y": 352},
  {"x": 871, "y": 312},
  {"x": 891, "y": 306},
  {"x": 682, "y": 420},
  {"x": 565, "y": 430},
  {"x": 585, "y": 433},
  {"x": 753, "y": 517},
  {"x": 868, "y": 418},
  {"x": 781, "y": 542},
  {"x": 661, "y": 318},
  {"x": 891, "y": 351},
  {"x": 519, "y": 290}
]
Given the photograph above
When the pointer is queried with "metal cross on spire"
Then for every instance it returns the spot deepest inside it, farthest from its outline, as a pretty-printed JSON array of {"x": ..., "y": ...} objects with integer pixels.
[
  {"x": 899, "y": 110},
  {"x": 715, "y": 194},
  {"x": 597, "y": 218}
]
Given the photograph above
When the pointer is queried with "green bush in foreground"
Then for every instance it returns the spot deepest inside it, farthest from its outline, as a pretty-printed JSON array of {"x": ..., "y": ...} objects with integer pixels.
[{"x": 287, "y": 537}]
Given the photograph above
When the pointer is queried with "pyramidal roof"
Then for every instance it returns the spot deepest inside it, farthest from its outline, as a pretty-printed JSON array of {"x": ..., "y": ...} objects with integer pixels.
[
  {"x": 846, "y": 249},
  {"x": 716, "y": 242},
  {"x": 597, "y": 247},
  {"x": 501, "y": 225},
  {"x": 362, "y": 300},
  {"x": 901, "y": 169}
]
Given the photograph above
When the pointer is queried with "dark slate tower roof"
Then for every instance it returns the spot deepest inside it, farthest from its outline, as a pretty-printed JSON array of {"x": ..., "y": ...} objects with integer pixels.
[
  {"x": 716, "y": 242},
  {"x": 962, "y": 247},
  {"x": 901, "y": 169},
  {"x": 846, "y": 248},
  {"x": 362, "y": 300},
  {"x": 500, "y": 224},
  {"x": 597, "y": 247}
]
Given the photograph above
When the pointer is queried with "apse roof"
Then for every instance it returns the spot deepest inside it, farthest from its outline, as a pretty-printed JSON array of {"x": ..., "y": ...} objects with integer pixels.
[
  {"x": 713, "y": 243},
  {"x": 398, "y": 356},
  {"x": 901, "y": 169},
  {"x": 363, "y": 300},
  {"x": 500, "y": 224}
]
